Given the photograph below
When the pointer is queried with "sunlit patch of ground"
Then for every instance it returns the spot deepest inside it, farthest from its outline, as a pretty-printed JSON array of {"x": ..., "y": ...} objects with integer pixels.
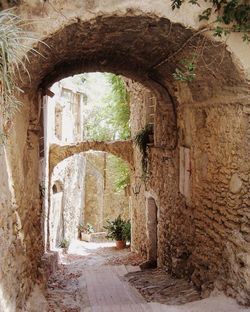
[{"x": 70, "y": 287}]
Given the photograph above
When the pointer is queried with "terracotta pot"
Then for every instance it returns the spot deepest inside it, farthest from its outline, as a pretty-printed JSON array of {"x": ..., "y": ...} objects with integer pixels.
[{"x": 120, "y": 244}]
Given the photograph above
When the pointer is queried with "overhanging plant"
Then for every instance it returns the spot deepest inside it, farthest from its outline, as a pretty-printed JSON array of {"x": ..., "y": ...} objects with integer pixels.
[
  {"x": 231, "y": 16},
  {"x": 15, "y": 41},
  {"x": 142, "y": 139},
  {"x": 223, "y": 17}
]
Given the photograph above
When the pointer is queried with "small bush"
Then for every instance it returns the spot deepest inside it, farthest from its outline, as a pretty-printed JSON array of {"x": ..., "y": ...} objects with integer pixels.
[
  {"x": 119, "y": 229},
  {"x": 64, "y": 243}
]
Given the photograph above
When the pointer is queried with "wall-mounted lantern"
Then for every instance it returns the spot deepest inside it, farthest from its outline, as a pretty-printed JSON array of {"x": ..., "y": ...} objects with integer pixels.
[{"x": 136, "y": 188}]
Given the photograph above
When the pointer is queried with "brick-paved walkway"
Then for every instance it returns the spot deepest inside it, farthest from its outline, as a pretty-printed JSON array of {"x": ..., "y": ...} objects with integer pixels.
[
  {"x": 107, "y": 291},
  {"x": 85, "y": 283}
]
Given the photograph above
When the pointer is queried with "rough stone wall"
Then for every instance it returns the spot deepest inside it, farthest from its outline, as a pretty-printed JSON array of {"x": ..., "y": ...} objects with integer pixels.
[
  {"x": 101, "y": 202},
  {"x": 203, "y": 234},
  {"x": 67, "y": 205},
  {"x": 175, "y": 229},
  {"x": 84, "y": 11},
  {"x": 138, "y": 205},
  {"x": 220, "y": 192},
  {"x": 21, "y": 242},
  {"x": 122, "y": 149}
]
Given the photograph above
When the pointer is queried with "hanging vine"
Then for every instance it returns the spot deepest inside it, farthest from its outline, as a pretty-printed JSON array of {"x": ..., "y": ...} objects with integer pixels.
[
  {"x": 232, "y": 16},
  {"x": 142, "y": 139}
]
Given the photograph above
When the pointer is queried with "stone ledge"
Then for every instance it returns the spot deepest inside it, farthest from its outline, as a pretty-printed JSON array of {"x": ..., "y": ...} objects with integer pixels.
[{"x": 94, "y": 237}]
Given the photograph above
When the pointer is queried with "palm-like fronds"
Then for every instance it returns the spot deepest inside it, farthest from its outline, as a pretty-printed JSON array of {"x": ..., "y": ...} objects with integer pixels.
[{"x": 13, "y": 49}]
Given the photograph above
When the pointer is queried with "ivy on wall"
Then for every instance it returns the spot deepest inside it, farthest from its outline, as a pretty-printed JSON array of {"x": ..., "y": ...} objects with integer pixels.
[{"x": 231, "y": 16}]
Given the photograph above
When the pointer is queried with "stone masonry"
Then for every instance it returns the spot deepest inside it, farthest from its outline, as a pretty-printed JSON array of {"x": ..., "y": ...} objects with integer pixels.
[{"x": 198, "y": 171}]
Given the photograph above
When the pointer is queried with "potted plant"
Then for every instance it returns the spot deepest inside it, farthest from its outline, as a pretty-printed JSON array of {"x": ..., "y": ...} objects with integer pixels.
[{"x": 118, "y": 230}]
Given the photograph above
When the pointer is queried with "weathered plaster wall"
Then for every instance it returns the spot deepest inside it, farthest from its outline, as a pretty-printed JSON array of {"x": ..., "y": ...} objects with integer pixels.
[
  {"x": 66, "y": 210},
  {"x": 10, "y": 230},
  {"x": 115, "y": 202},
  {"x": 94, "y": 200}
]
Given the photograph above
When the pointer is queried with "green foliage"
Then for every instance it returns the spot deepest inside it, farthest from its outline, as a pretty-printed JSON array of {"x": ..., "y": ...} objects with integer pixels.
[
  {"x": 96, "y": 126},
  {"x": 127, "y": 231},
  {"x": 234, "y": 14},
  {"x": 118, "y": 107},
  {"x": 118, "y": 229},
  {"x": 64, "y": 243},
  {"x": 187, "y": 73},
  {"x": 110, "y": 121},
  {"x": 176, "y": 4},
  {"x": 205, "y": 15},
  {"x": 120, "y": 173},
  {"x": 86, "y": 228},
  {"x": 142, "y": 139},
  {"x": 12, "y": 56}
]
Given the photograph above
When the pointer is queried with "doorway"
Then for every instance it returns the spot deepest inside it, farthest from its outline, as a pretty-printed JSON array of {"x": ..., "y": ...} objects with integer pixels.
[{"x": 152, "y": 229}]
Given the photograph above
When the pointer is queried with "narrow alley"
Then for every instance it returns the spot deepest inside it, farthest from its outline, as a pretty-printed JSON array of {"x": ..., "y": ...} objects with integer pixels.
[
  {"x": 124, "y": 121},
  {"x": 92, "y": 277}
]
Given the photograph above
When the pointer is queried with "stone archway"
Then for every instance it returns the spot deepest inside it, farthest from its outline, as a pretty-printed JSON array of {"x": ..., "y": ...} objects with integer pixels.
[
  {"x": 207, "y": 235},
  {"x": 57, "y": 187},
  {"x": 121, "y": 149},
  {"x": 87, "y": 194}
]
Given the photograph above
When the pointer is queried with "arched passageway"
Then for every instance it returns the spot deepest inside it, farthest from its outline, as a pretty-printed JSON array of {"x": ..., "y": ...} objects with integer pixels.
[
  {"x": 203, "y": 235},
  {"x": 122, "y": 149},
  {"x": 86, "y": 190}
]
